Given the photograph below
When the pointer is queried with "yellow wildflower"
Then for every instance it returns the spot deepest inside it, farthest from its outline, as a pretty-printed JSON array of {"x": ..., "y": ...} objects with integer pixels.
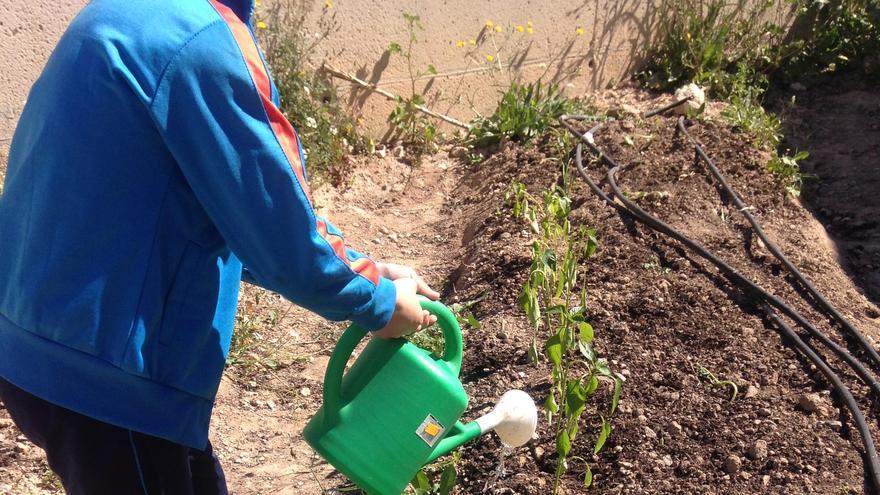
[
  {"x": 257, "y": 3},
  {"x": 459, "y": 44},
  {"x": 579, "y": 31},
  {"x": 261, "y": 25},
  {"x": 529, "y": 23},
  {"x": 520, "y": 29},
  {"x": 490, "y": 58},
  {"x": 498, "y": 29},
  {"x": 472, "y": 42},
  {"x": 489, "y": 24},
  {"x": 328, "y": 4},
  {"x": 530, "y": 30}
]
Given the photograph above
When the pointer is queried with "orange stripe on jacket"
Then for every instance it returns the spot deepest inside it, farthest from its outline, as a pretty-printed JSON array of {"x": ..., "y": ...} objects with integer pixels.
[
  {"x": 363, "y": 266},
  {"x": 284, "y": 132},
  {"x": 367, "y": 268},
  {"x": 280, "y": 126}
]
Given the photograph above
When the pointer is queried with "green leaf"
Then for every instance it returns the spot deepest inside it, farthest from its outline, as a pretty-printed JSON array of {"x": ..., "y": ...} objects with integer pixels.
[
  {"x": 472, "y": 321},
  {"x": 573, "y": 429},
  {"x": 586, "y": 332},
  {"x": 592, "y": 385},
  {"x": 394, "y": 48},
  {"x": 587, "y": 351},
  {"x": 802, "y": 155},
  {"x": 588, "y": 477},
  {"x": 533, "y": 352},
  {"x": 553, "y": 348},
  {"x": 550, "y": 404},
  {"x": 432, "y": 70},
  {"x": 563, "y": 444},
  {"x": 615, "y": 399},
  {"x": 421, "y": 482},
  {"x": 603, "y": 436},
  {"x": 447, "y": 480},
  {"x": 576, "y": 395},
  {"x": 561, "y": 466},
  {"x": 602, "y": 367}
]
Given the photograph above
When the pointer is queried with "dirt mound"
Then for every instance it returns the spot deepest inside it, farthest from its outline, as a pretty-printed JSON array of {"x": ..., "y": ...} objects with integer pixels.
[
  {"x": 659, "y": 314},
  {"x": 838, "y": 121}
]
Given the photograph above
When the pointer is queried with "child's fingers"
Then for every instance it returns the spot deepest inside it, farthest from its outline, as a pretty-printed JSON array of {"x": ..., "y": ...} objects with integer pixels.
[
  {"x": 425, "y": 289},
  {"x": 428, "y": 319}
]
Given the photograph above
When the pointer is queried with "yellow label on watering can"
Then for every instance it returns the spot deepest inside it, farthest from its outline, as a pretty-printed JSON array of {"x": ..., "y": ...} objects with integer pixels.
[{"x": 384, "y": 420}]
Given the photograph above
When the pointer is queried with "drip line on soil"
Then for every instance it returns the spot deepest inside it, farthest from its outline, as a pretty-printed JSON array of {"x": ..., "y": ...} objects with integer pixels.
[
  {"x": 830, "y": 310},
  {"x": 633, "y": 210},
  {"x": 845, "y": 394}
]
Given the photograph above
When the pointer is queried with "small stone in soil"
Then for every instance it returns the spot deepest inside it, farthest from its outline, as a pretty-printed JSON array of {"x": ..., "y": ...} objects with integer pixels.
[
  {"x": 810, "y": 403},
  {"x": 305, "y": 391},
  {"x": 732, "y": 464},
  {"x": 757, "y": 451},
  {"x": 835, "y": 425},
  {"x": 751, "y": 392}
]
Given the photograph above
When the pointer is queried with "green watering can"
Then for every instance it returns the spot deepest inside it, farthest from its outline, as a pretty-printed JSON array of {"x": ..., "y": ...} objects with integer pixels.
[{"x": 398, "y": 406}]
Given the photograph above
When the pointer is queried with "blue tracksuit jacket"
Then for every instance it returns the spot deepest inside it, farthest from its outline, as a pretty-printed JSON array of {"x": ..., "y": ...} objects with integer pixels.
[{"x": 150, "y": 163}]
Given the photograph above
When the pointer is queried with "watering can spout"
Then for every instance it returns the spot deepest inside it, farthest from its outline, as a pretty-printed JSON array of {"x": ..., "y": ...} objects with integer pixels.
[{"x": 514, "y": 419}]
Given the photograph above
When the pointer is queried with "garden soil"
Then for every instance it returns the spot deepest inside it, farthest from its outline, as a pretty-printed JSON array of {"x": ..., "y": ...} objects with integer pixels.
[{"x": 658, "y": 313}]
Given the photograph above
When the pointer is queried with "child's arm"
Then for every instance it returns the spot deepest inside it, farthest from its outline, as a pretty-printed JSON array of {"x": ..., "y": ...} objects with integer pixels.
[{"x": 241, "y": 158}]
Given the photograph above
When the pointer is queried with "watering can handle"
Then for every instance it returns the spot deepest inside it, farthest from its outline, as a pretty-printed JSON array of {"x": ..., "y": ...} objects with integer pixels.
[{"x": 354, "y": 334}]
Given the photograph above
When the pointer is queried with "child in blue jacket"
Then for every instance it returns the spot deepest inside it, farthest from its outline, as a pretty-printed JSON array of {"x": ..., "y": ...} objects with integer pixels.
[{"x": 151, "y": 169}]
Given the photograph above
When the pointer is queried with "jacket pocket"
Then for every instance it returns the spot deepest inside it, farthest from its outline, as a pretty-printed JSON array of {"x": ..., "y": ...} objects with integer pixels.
[{"x": 181, "y": 285}]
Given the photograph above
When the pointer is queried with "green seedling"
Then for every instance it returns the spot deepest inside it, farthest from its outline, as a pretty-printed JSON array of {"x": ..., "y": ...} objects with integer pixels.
[
  {"x": 653, "y": 265},
  {"x": 553, "y": 303},
  {"x": 416, "y": 128},
  {"x": 422, "y": 484},
  {"x": 649, "y": 195},
  {"x": 432, "y": 338},
  {"x": 787, "y": 171},
  {"x": 712, "y": 381}
]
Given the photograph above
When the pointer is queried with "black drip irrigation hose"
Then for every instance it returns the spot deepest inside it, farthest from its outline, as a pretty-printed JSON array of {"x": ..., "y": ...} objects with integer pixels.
[
  {"x": 866, "y": 346},
  {"x": 735, "y": 277},
  {"x": 844, "y": 392},
  {"x": 660, "y": 110},
  {"x": 741, "y": 279}
]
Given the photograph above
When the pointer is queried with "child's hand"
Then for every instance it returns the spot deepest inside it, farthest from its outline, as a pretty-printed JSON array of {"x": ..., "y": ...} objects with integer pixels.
[
  {"x": 408, "y": 314},
  {"x": 394, "y": 271}
]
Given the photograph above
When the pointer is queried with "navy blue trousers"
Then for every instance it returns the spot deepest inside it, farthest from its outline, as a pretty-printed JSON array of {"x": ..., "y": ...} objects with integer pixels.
[{"x": 95, "y": 458}]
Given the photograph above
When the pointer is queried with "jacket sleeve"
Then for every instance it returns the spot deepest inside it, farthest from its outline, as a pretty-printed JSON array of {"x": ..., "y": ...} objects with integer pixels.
[{"x": 243, "y": 162}]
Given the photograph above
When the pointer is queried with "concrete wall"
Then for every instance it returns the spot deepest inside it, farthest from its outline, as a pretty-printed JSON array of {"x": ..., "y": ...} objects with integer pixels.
[
  {"x": 583, "y": 44},
  {"x": 354, "y": 36},
  {"x": 28, "y": 31},
  {"x": 360, "y": 32}
]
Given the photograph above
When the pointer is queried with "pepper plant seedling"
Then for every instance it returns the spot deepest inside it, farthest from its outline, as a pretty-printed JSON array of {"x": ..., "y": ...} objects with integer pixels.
[
  {"x": 707, "y": 376},
  {"x": 552, "y": 301}
]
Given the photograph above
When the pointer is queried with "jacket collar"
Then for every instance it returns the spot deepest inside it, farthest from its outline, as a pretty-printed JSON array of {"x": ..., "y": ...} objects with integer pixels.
[{"x": 244, "y": 9}]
